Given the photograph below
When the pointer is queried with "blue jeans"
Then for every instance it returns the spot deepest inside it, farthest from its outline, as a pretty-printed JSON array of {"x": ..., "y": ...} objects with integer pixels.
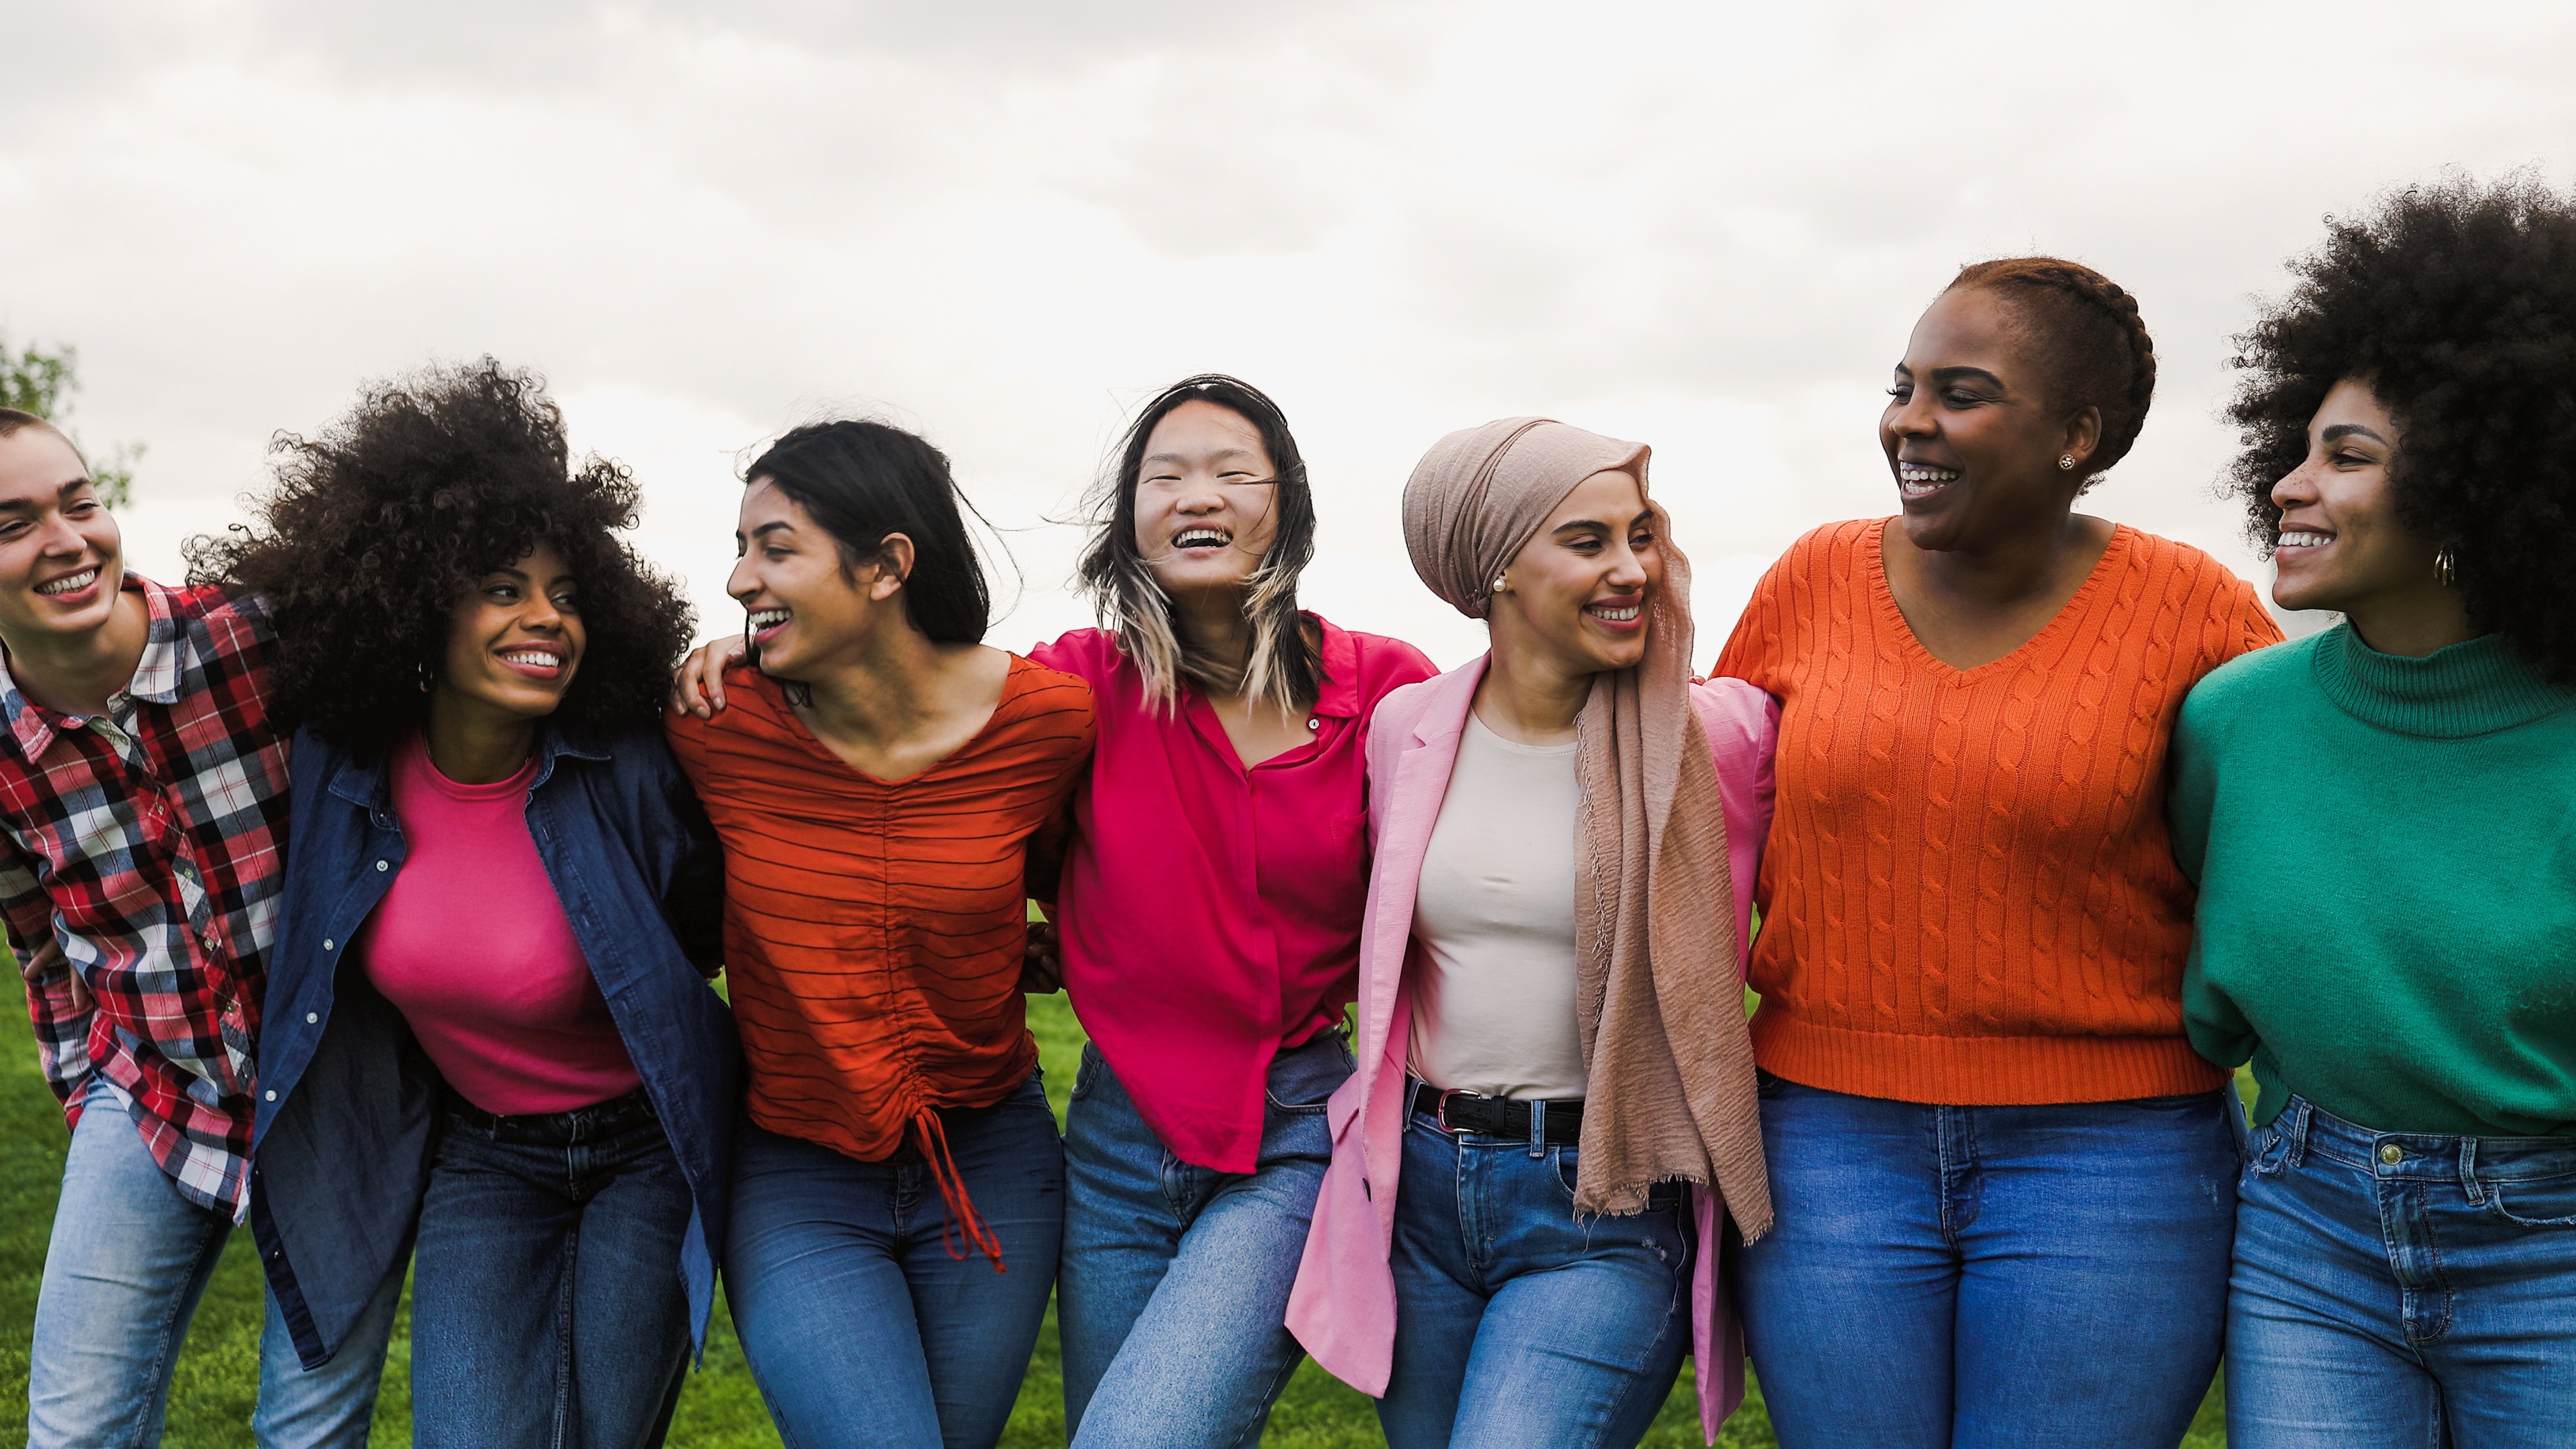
[
  {"x": 1989, "y": 1276},
  {"x": 1516, "y": 1322},
  {"x": 1174, "y": 1303},
  {"x": 547, "y": 1309},
  {"x": 2401, "y": 1289},
  {"x": 127, "y": 1263},
  {"x": 860, "y": 1326}
]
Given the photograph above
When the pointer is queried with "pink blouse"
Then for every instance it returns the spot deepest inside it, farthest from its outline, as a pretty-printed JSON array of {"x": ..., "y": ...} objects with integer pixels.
[{"x": 1211, "y": 914}]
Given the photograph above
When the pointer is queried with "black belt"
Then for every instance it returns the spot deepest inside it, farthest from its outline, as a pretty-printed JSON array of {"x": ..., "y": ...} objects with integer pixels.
[
  {"x": 1504, "y": 1117},
  {"x": 548, "y": 1129}
]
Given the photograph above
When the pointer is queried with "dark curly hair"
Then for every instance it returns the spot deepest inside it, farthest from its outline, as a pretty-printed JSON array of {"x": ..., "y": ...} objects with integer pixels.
[
  {"x": 2090, "y": 338},
  {"x": 2455, "y": 303},
  {"x": 376, "y": 529}
]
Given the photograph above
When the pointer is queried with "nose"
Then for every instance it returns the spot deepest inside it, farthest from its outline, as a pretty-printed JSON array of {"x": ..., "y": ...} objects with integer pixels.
[
  {"x": 740, "y": 585},
  {"x": 1913, "y": 417},
  {"x": 2297, "y": 488},
  {"x": 1627, "y": 567},
  {"x": 541, "y": 614},
  {"x": 59, "y": 539}
]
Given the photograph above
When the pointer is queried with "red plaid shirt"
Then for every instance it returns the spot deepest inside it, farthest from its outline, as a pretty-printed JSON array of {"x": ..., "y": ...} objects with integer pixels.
[{"x": 150, "y": 841}]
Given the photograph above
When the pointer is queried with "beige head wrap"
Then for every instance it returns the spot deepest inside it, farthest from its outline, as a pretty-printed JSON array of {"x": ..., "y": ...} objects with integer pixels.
[{"x": 1659, "y": 1004}]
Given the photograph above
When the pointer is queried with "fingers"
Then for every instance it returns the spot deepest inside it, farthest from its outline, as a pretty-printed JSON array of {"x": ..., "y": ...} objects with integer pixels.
[
  {"x": 40, "y": 963},
  {"x": 697, "y": 686}
]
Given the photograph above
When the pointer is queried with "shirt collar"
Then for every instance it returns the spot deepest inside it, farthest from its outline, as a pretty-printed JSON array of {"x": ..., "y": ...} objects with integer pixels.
[
  {"x": 156, "y": 674},
  {"x": 1339, "y": 695}
]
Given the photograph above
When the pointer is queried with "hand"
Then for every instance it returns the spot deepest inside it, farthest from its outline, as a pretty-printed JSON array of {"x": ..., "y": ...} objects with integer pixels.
[
  {"x": 47, "y": 959},
  {"x": 697, "y": 686},
  {"x": 1042, "y": 965}
]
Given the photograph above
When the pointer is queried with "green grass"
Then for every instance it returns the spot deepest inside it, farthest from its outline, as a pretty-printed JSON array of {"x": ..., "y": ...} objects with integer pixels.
[{"x": 218, "y": 1373}]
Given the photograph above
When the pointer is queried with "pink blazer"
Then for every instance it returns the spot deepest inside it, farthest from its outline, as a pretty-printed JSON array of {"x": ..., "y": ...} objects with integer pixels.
[{"x": 1343, "y": 1307}]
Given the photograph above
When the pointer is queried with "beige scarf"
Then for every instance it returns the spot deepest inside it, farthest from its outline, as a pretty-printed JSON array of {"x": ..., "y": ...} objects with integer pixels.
[{"x": 1669, "y": 1063}]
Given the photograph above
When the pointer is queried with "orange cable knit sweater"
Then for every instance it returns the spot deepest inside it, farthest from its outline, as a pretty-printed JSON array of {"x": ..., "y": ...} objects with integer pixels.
[{"x": 1969, "y": 896}]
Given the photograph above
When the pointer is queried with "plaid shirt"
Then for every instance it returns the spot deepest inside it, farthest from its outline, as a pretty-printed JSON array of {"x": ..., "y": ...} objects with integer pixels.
[{"x": 150, "y": 841}]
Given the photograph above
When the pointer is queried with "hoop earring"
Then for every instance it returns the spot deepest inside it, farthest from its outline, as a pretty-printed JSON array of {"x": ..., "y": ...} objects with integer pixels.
[
  {"x": 2446, "y": 568},
  {"x": 2066, "y": 462}
]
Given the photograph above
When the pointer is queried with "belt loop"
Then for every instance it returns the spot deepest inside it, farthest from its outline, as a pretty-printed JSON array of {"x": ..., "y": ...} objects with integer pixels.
[
  {"x": 2299, "y": 1132},
  {"x": 1538, "y": 1129},
  {"x": 2469, "y": 1172}
]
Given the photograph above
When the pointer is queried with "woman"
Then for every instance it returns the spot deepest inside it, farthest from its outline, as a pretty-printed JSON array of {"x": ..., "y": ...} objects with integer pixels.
[
  {"x": 883, "y": 784},
  {"x": 1551, "y": 1041},
  {"x": 1210, "y": 917},
  {"x": 2379, "y": 819},
  {"x": 522, "y": 1064},
  {"x": 2001, "y": 1171}
]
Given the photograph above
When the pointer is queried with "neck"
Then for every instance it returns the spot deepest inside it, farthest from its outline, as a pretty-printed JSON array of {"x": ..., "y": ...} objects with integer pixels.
[
  {"x": 76, "y": 674},
  {"x": 1212, "y": 624},
  {"x": 1529, "y": 697},
  {"x": 474, "y": 744},
  {"x": 2013, "y": 569},
  {"x": 2413, "y": 622},
  {"x": 885, "y": 689}
]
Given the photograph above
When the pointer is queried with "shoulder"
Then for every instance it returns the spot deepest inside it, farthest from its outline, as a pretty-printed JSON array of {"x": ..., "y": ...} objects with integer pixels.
[
  {"x": 1378, "y": 664},
  {"x": 1828, "y": 548},
  {"x": 217, "y": 613},
  {"x": 753, "y": 704},
  {"x": 2187, "y": 569},
  {"x": 2226, "y": 608},
  {"x": 1090, "y": 654},
  {"x": 2252, "y": 685},
  {"x": 1034, "y": 689},
  {"x": 1732, "y": 711}
]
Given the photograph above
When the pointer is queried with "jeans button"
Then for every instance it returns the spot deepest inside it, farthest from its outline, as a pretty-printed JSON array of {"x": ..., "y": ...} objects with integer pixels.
[{"x": 2391, "y": 1153}]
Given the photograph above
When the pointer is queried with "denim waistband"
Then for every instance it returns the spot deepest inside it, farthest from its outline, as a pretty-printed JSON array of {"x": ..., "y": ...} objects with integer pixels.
[
  {"x": 552, "y": 1129},
  {"x": 2428, "y": 1156}
]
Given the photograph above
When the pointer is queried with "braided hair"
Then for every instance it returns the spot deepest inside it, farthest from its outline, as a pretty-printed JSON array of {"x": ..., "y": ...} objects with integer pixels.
[{"x": 2089, "y": 336}]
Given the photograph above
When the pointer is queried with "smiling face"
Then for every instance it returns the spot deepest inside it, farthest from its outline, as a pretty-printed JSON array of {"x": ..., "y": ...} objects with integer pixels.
[
  {"x": 805, "y": 608},
  {"x": 1206, "y": 500},
  {"x": 1969, "y": 432},
  {"x": 2340, "y": 544},
  {"x": 515, "y": 641},
  {"x": 1577, "y": 592},
  {"x": 62, "y": 560}
]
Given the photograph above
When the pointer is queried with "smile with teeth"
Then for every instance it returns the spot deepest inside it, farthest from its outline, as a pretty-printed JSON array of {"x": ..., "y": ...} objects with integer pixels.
[
  {"x": 1614, "y": 613},
  {"x": 1202, "y": 538},
  {"x": 1917, "y": 479},
  {"x": 764, "y": 620},
  {"x": 534, "y": 656},
  {"x": 69, "y": 583},
  {"x": 2304, "y": 538}
]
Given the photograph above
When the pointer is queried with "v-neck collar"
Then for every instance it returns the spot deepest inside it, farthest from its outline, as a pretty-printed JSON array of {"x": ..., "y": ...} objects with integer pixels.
[{"x": 2114, "y": 557}]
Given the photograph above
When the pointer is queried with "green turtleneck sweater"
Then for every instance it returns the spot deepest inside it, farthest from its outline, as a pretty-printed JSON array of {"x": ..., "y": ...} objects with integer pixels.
[{"x": 2386, "y": 854}]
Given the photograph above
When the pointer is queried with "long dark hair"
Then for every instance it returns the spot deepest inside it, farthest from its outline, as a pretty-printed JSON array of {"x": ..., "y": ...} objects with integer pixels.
[
  {"x": 862, "y": 481},
  {"x": 1286, "y": 666}
]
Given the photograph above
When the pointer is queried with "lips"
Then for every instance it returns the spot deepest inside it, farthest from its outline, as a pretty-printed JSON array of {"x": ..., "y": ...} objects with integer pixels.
[
  {"x": 2302, "y": 538},
  {"x": 1619, "y": 615},
  {"x": 69, "y": 583},
  {"x": 1922, "y": 480},
  {"x": 766, "y": 622},
  {"x": 538, "y": 661},
  {"x": 1201, "y": 536}
]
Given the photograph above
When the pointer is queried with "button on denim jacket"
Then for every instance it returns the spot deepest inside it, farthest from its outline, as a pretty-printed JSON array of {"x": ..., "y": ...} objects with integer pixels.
[{"x": 348, "y": 1105}]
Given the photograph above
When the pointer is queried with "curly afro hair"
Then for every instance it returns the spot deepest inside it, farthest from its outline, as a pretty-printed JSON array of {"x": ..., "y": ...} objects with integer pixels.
[
  {"x": 377, "y": 529},
  {"x": 2455, "y": 303}
]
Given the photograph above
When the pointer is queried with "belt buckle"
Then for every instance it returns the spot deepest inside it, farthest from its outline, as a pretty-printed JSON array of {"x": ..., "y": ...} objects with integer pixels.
[{"x": 1440, "y": 1110}]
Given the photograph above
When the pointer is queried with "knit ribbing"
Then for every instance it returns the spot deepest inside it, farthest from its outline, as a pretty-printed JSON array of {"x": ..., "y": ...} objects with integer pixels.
[
  {"x": 1968, "y": 895},
  {"x": 2469, "y": 689}
]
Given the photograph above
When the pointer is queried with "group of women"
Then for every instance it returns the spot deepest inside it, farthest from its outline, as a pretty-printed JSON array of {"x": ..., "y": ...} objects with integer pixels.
[{"x": 1416, "y": 1000}]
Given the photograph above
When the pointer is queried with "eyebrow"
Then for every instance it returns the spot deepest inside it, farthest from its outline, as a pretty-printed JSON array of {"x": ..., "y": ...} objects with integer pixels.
[
  {"x": 1644, "y": 515},
  {"x": 775, "y": 525},
  {"x": 30, "y": 505},
  {"x": 1177, "y": 458},
  {"x": 1960, "y": 374},
  {"x": 2349, "y": 430}
]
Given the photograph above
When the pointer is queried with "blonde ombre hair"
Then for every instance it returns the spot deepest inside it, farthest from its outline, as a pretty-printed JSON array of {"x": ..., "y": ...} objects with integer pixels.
[{"x": 1286, "y": 666}]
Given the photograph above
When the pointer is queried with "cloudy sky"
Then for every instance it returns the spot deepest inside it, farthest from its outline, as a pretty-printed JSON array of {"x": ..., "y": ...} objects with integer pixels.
[{"x": 1707, "y": 226}]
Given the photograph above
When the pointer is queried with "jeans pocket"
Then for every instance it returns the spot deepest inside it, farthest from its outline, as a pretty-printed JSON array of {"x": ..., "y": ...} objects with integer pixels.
[
  {"x": 2265, "y": 1151},
  {"x": 1315, "y": 1070},
  {"x": 2546, "y": 1202},
  {"x": 1088, "y": 1072}
]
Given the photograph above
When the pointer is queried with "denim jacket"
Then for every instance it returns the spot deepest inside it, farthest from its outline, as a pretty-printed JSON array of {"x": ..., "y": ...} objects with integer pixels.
[{"x": 349, "y": 1104}]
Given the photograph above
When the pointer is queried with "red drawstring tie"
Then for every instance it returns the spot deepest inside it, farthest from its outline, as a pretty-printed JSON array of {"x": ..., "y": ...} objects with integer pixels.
[{"x": 971, "y": 1233}]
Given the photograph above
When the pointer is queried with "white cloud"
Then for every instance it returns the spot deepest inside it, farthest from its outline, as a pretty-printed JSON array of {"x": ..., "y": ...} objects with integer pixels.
[{"x": 1706, "y": 226}]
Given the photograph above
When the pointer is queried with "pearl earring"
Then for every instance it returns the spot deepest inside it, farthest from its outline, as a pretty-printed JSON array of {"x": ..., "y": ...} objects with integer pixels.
[
  {"x": 2066, "y": 460},
  {"x": 1499, "y": 585}
]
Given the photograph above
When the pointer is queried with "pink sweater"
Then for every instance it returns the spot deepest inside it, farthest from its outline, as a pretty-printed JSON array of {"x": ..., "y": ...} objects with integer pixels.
[
  {"x": 1343, "y": 1308},
  {"x": 471, "y": 944}
]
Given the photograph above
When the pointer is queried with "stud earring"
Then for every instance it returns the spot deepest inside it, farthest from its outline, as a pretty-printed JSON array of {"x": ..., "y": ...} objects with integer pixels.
[
  {"x": 2066, "y": 461},
  {"x": 1499, "y": 585}
]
